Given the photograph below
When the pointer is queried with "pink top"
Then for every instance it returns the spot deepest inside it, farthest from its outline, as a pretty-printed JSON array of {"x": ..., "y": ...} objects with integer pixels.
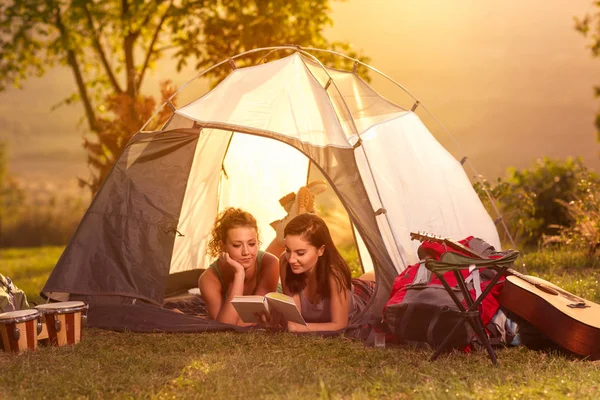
[{"x": 321, "y": 311}]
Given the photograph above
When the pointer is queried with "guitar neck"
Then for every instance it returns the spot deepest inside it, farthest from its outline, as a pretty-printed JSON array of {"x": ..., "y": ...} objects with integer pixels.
[
  {"x": 425, "y": 237},
  {"x": 546, "y": 288}
]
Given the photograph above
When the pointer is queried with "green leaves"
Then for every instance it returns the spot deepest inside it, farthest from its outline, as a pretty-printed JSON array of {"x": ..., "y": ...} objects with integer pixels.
[
  {"x": 23, "y": 39},
  {"x": 533, "y": 200},
  {"x": 35, "y": 35},
  {"x": 111, "y": 44}
]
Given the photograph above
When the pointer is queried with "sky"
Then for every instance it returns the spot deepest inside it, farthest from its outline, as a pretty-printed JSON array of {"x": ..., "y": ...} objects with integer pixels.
[{"x": 510, "y": 81}]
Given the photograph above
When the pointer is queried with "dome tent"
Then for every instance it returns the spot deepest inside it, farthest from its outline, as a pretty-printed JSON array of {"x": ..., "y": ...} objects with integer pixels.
[{"x": 252, "y": 139}]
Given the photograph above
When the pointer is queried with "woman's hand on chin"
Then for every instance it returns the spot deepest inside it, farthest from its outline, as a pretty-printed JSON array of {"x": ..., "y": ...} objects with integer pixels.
[
  {"x": 225, "y": 259},
  {"x": 294, "y": 327}
]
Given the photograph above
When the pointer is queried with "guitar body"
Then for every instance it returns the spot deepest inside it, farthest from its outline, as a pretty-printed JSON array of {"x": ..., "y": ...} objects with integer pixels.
[{"x": 546, "y": 306}]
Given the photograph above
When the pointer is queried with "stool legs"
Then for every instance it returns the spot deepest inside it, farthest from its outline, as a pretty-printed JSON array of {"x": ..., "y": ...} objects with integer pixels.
[{"x": 469, "y": 314}]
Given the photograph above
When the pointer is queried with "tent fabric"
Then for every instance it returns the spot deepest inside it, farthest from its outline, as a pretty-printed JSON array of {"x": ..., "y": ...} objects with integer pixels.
[
  {"x": 432, "y": 192},
  {"x": 246, "y": 143},
  {"x": 124, "y": 243},
  {"x": 281, "y": 96},
  {"x": 354, "y": 100},
  {"x": 150, "y": 318}
]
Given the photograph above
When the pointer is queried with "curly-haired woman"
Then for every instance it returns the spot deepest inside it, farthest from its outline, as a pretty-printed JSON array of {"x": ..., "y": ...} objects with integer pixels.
[{"x": 240, "y": 269}]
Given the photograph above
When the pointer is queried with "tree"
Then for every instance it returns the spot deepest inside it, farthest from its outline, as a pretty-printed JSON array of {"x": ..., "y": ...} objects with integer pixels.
[
  {"x": 589, "y": 27},
  {"x": 110, "y": 45}
]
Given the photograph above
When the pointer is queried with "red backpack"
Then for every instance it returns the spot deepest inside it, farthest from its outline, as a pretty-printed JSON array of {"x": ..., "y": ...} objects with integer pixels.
[{"x": 421, "y": 312}]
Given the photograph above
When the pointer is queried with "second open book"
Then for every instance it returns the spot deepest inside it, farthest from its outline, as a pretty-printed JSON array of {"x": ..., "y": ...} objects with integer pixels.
[{"x": 249, "y": 306}]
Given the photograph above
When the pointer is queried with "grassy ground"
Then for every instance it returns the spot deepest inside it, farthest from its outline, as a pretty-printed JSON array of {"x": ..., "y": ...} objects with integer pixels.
[
  {"x": 266, "y": 365},
  {"x": 29, "y": 268}
]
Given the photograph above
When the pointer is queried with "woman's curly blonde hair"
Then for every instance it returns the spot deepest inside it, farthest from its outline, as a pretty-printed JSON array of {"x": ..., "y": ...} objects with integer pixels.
[{"x": 226, "y": 220}]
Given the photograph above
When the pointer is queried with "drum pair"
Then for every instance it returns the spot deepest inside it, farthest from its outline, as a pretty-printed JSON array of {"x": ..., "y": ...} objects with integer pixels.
[{"x": 58, "y": 323}]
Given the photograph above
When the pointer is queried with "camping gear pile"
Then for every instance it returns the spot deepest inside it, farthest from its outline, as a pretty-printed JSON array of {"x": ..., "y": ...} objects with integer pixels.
[
  {"x": 259, "y": 134},
  {"x": 431, "y": 309}
]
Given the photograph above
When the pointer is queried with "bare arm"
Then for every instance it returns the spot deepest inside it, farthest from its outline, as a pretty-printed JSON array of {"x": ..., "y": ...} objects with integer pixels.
[
  {"x": 340, "y": 308},
  {"x": 211, "y": 292},
  {"x": 220, "y": 308},
  {"x": 269, "y": 276}
]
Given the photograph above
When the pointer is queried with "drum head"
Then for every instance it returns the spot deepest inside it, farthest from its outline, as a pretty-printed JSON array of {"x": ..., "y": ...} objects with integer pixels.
[
  {"x": 63, "y": 306},
  {"x": 18, "y": 316}
]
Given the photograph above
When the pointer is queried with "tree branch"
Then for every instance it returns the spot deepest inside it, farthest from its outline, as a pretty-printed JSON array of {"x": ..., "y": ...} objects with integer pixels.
[
  {"x": 151, "y": 47},
  {"x": 128, "y": 46},
  {"x": 100, "y": 50},
  {"x": 72, "y": 61},
  {"x": 168, "y": 47}
]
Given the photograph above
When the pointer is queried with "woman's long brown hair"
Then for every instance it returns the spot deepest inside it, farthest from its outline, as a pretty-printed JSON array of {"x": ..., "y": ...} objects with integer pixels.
[{"x": 314, "y": 230}]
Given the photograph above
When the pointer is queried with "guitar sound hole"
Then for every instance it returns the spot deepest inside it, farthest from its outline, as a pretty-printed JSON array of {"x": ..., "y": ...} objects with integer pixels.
[{"x": 547, "y": 289}]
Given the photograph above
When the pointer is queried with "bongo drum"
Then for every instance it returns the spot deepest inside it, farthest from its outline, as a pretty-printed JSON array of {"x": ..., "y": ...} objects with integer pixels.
[
  {"x": 63, "y": 321},
  {"x": 19, "y": 330}
]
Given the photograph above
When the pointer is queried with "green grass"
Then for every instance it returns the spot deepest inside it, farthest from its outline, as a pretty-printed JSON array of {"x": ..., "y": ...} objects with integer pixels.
[
  {"x": 555, "y": 259},
  {"x": 29, "y": 267},
  {"x": 266, "y": 365},
  {"x": 261, "y": 365}
]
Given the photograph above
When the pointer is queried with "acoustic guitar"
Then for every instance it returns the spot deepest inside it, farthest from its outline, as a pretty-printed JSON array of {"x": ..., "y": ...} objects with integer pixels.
[{"x": 568, "y": 320}]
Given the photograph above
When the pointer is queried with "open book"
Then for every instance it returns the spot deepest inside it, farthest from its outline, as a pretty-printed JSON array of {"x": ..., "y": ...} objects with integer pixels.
[{"x": 248, "y": 306}]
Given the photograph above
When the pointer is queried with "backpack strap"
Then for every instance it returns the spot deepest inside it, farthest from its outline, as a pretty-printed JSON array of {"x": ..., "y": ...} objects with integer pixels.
[
  {"x": 423, "y": 274},
  {"x": 432, "y": 324},
  {"x": 403, "y": 322},
  {"x": 476, "y": 278}
]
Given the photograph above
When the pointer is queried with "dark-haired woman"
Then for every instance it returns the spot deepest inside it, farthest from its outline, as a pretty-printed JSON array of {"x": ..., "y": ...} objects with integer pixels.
[{"x": 314, "y": 273}]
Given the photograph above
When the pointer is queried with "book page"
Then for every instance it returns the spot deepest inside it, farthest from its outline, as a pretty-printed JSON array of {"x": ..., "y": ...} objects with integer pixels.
[
  {"x": 285, "y": 305},
  {"x": 248, "y": 306}
]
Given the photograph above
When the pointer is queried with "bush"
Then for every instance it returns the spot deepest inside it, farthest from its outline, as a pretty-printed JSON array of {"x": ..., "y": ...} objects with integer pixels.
[
  {"x": 583, "y": 231},
  {"x": 531, "y": 201}
]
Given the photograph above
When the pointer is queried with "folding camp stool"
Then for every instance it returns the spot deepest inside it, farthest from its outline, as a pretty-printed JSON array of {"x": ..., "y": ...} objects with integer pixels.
[{"x": 456, "y": 262}]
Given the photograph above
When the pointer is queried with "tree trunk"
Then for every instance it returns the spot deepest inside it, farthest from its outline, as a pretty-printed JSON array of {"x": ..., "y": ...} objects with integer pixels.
[
  {"x": 130, "y": 65},
  {"x": 72, "y": 61}
]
